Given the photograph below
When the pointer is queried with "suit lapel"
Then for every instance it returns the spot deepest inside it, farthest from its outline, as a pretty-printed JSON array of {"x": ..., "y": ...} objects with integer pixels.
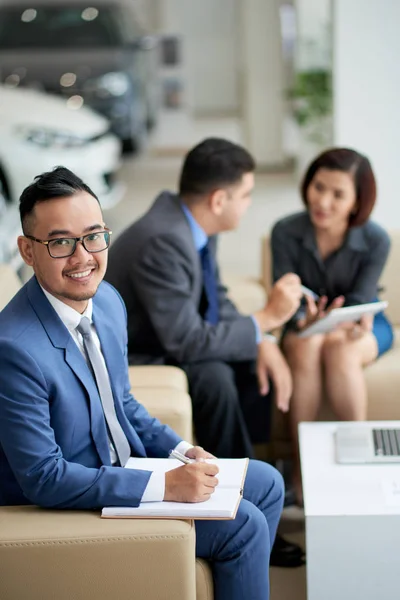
[{"x": 61, "y": 338}]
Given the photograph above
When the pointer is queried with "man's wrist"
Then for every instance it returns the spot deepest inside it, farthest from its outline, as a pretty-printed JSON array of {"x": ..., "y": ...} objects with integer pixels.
[
  {"x": 268, "y": 337},
  {"x": 266, "y": 321},
  {"x": 183, "y": 447}
]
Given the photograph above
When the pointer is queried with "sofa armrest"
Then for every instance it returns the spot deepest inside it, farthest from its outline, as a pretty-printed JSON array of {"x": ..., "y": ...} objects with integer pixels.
[
  {"x": 171, "y": 406},
  {"x": 246, "y": 293},
  {"x": 158, "y": 376},
  {"x": 47, "y": 554}
]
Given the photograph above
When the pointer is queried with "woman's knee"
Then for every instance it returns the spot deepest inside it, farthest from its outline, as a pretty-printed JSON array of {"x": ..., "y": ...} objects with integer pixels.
[
  {"x": 335, "y": 346},
  {"x": 339, "y": 350},
  {"x": 302, "y": 352}
]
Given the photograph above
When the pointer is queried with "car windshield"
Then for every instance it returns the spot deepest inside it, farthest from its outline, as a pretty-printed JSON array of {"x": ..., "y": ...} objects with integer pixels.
[{"x": 79, "y": 26}]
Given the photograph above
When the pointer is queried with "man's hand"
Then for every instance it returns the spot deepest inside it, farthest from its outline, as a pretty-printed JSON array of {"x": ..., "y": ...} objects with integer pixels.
[
  {"x": 191, "y": 483},
  {"x": 198, "y": 453},
  {"x": 271, "y": 363},
  {"x": 283, "y": 301}
]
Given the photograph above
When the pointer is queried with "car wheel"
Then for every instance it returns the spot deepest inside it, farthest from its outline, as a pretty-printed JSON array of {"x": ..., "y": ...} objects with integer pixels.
[
  {"x": 136, "y": 141},
  {"x": 130, "y": 145},
  {"x": 4, "y": 187},
  {"x": 151, "y": 122}
]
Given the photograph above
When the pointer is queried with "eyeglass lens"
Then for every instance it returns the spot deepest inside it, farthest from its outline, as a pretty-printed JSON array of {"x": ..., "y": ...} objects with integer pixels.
[{"x": 92, "y": 242}]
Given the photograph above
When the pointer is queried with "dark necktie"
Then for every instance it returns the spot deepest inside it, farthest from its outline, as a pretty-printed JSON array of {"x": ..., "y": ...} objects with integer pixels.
[
  {"x": 118, "y": 437},
  {"x": 210, "y": 285}
]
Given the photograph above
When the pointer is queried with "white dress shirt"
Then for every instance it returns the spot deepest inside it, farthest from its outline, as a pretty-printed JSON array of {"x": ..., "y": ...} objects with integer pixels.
[{"x": 71, "y": 318}]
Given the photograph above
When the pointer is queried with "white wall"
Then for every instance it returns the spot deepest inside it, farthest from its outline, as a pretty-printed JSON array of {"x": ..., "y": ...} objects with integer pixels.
[
  {"x": 263, "y": 81},
  {"x": 313, "y": 30},
  {"x": 233, "y": 65},
  {"x": 209, "y": 33},
  {"x": 212, "y": 55},
  {"x": 367, "y": 92}
]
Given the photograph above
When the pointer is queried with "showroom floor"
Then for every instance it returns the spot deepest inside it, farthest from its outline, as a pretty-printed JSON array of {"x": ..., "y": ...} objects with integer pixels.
[{"x": 239, "y": 252}]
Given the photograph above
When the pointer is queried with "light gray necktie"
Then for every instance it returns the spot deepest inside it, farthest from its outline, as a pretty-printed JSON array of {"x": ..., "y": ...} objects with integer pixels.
[{"x": 116, "y": 432}]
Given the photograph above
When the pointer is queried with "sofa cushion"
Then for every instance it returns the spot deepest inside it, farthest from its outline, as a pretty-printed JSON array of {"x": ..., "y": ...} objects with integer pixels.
[
  {"x": 246, "y": 293},
  {"x": 172, "y": 407},
  {"x": 48, "y": 554},
  {"x": 158, "y": 376},
  {"x": 390, "y": 279},
  {"x": 204, "y": 581}
]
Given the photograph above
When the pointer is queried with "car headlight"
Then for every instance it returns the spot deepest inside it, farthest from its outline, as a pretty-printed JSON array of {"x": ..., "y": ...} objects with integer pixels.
[
  {"x": 111, "y": 84},
  {"x": 51, "y": 138}
]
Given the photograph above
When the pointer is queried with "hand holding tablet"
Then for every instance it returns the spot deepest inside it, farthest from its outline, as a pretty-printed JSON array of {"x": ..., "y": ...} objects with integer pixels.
[
  {"x": 336, "y": 316},
  {"x": 316, "y": 308}
]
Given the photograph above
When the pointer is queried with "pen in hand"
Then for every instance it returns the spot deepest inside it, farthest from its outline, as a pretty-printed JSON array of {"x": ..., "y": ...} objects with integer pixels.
[
  {"x": 181, "y": 457},
  {"x": 307, "y": 292}
]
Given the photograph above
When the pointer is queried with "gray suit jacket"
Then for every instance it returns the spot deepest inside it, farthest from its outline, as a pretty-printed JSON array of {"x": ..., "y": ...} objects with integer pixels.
[{"x": 156, "y": 268}]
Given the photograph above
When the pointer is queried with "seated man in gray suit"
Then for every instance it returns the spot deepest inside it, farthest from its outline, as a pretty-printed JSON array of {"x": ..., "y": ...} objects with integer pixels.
[{"x": 164, "y": 267}]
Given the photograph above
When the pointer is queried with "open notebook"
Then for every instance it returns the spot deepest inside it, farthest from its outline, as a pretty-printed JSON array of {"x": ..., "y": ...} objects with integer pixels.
[{"x": 223, "y": 503}]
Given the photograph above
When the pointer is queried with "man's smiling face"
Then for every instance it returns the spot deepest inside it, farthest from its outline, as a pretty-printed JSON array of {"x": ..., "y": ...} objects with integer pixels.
[{"x": 73, "y": 279}]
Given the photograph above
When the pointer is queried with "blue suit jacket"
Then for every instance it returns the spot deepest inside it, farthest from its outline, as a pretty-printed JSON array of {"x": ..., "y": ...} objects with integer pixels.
[{"x": 53, "y": 440}]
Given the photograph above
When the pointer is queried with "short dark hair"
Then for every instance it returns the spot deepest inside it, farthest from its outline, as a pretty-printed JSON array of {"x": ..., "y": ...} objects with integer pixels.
[
  {"x": 348, "y": 161},
  {"x": 58, "y": 183},
  {"x": 213, "y": 164}
]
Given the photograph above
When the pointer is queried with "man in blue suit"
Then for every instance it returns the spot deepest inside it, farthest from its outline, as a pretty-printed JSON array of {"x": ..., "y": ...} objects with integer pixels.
[{"x": 62, "y": 443}]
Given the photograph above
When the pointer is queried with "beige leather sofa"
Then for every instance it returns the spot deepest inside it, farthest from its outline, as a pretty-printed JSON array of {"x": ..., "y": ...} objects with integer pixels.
[{"x": 77, "y": 555}]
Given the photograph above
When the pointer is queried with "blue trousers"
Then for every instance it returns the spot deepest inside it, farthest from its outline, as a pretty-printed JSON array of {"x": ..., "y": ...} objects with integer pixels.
[
  {"x": 239, "y": 550},
  {"x": 383, "y": 332}
]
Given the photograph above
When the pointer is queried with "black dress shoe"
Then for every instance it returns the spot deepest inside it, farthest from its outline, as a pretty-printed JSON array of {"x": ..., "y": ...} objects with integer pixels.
[{"x": 286, "y": 554}]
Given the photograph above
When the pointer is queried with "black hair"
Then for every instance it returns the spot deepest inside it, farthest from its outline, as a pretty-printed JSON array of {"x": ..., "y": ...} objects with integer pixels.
[
  {"x": 58, "y": 183},
  {"x": 214, "y": 163}
]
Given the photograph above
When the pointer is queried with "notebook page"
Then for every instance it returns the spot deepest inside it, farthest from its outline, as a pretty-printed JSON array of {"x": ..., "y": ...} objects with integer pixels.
[
  {"x": 231, "y": 470},
  {"x": 222, "y": 504},
  {"x": 162, "y": 465}
]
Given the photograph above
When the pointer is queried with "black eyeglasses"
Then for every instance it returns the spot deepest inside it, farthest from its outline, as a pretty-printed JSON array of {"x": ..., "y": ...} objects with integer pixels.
[{"x": 64, "y": 247}]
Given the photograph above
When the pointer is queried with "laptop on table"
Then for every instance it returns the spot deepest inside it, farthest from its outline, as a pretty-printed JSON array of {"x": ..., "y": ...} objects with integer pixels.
[{"x": 369, "y": 444}]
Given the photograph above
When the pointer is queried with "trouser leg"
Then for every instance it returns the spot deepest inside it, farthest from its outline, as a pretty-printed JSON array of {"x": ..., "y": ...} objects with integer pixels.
[
  {"x": 239, "y": 550},
  {"x": 217, "y": 414},
  {"x": 256, "y": 409}
]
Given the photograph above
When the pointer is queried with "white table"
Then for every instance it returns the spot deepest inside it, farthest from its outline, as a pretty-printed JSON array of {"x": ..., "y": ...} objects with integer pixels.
[{"x": 352, "y": 524}]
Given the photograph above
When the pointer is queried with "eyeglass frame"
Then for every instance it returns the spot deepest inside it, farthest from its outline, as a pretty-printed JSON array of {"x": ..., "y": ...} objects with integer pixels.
[{"x": 76, "y": 240}]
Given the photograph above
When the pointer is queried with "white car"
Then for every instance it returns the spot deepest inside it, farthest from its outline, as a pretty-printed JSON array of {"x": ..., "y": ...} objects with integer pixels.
[
  {"x": 40, "y": 131},
  {"x": 10, "y": 229}
]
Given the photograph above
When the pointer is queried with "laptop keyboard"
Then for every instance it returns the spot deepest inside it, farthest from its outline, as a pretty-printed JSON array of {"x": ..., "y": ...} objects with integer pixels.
[{"x": 386, "y": 442}]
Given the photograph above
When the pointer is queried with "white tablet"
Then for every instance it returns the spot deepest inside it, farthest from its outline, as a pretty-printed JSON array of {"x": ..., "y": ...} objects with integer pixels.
[{"x": 342, "y": 315}]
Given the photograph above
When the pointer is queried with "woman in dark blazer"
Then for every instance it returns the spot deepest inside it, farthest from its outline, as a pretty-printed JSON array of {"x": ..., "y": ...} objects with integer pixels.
[{"x": 339, "y": 253}]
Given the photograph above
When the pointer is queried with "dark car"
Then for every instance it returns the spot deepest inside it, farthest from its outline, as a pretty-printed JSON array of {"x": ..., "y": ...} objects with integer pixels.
[{"x": 91, "y": 53}]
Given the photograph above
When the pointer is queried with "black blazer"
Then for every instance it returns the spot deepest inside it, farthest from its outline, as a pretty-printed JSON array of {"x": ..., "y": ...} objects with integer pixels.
[{"x": 352, "y": 271}]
